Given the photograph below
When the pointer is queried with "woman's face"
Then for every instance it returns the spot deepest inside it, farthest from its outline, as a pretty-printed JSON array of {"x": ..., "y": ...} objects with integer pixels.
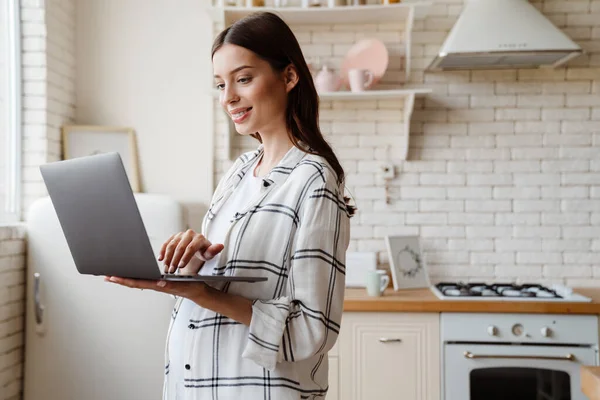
[{"x": 252, "y": 94}]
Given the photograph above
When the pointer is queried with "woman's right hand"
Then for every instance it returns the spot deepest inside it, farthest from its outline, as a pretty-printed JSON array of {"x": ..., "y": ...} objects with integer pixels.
[{"x": 187, "y": 251}]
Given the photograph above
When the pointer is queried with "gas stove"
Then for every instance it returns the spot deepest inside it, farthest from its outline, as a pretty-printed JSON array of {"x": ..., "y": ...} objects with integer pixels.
[{"x": 506, "y": 292}]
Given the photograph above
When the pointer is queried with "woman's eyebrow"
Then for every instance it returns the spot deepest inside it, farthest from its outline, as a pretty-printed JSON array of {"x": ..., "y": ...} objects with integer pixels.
[{"x": 236, "y": 70}]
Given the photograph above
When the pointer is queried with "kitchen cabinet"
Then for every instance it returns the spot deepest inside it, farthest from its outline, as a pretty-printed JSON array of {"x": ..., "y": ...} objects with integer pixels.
[
  {"x": 387, "y": 356},
  {"x": 334, "y": 374}
]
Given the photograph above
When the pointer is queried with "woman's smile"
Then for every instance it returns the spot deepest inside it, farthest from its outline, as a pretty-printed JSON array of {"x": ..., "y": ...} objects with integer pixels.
[{"x": 239, "y": 115}]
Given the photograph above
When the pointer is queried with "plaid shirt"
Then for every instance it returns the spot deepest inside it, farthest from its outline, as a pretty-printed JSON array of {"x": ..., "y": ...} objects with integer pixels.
[{"x": 295, "y": 233}]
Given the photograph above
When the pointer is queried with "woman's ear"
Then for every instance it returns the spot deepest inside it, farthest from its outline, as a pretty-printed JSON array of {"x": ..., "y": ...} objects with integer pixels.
[{"x": 290, "y": 76}]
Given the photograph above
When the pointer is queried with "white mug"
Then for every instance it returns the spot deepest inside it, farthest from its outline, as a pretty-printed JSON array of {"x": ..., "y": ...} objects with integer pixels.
[
  {"x": 360, "y": 79},
  {"x": 377, "y": 281}
]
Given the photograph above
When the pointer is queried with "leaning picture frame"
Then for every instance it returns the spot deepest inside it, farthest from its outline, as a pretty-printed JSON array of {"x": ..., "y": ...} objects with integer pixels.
[
  {"x": 406, "y": 262},
  {"x": 87, "y": 140}
]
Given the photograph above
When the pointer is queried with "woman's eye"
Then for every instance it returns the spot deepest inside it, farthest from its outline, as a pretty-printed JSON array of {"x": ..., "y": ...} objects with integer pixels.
[
  {"x": 244, "y": 80},
  {"x": 220, "y": 86}
]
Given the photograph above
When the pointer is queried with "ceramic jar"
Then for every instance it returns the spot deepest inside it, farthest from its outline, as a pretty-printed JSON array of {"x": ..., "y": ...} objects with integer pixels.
[{"x": 327, "y": 81}]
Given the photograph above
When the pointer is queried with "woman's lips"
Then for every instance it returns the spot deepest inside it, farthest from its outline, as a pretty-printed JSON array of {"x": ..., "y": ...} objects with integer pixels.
[{"x": 241, "y": 116}]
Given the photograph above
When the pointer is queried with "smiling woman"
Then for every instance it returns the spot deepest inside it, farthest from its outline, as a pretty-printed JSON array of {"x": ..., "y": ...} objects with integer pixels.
[{"x": 279, "y": 213}]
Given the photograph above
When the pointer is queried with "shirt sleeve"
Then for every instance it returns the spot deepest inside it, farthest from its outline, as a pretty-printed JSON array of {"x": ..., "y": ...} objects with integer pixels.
[{"x": 307, "y": 321}]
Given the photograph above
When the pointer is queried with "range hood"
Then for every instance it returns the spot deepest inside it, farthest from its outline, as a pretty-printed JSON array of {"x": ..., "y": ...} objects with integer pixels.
[{"x": 494, "y": 34}]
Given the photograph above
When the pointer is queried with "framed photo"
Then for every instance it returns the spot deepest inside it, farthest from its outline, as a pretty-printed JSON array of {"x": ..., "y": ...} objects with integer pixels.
[
  {"x": 86, "y": 140},
  {"x": 406, "y": 262}
]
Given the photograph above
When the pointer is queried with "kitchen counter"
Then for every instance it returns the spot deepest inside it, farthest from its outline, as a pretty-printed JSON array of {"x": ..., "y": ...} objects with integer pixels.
[
  {"x": 424, "y": 300},
  {"x": 590, "y": 382}
]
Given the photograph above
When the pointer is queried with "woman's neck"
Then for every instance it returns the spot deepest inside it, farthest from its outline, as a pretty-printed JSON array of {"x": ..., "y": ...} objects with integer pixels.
[{"x": 274, "y": 149}]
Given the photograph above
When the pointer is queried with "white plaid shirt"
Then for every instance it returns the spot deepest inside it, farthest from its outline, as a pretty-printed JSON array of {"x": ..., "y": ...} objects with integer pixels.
[{"x": 295, "y": 233}]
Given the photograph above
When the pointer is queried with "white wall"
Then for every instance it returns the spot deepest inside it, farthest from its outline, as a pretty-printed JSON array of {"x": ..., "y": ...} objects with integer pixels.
[{"x": 146, "y": 64}]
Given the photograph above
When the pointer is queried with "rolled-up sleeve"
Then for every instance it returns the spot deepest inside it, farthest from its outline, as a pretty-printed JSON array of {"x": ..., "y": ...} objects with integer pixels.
[{"x": 307, "y": 321}]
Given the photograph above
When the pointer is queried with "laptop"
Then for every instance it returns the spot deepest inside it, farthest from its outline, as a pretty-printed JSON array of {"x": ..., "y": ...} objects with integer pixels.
[{"x": 101, "y": 221}]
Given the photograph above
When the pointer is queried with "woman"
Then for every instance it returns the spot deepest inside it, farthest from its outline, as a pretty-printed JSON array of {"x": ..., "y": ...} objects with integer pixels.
[{"x": 280, "y": 213}]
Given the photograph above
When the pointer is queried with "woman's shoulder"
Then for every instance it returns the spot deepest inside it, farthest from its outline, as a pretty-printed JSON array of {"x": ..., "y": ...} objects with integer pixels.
[
  {"x": 316, "y": 171},
  {"x": 245, "y": 157},
  {"x": 240, "y": 161}
]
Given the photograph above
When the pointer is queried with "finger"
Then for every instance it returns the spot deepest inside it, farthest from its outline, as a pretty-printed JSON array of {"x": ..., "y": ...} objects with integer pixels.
[
  {"x": 198, "y": 245},
  {"x": 133, "y": 283},
  {"x": 213, "y": 250},
  {"x": 171, "y": 246},
  {"x": 163, "y": 248},
  {"x": 186, "y": 239}
]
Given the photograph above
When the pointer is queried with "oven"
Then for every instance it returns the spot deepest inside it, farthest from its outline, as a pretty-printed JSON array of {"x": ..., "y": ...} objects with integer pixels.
[{"x": 488, "y": 356}]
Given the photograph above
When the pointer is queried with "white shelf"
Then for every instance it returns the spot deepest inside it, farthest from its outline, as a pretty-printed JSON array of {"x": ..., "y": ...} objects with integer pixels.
[
  {"x": 408, "y": 95},
  {"x": 326, "y": 15},
  {"x": 373, "y": 94},
  {"x": 366, "y": 95}
]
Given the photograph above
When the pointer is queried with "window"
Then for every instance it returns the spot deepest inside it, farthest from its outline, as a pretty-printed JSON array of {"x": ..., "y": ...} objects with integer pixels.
[{"x": 10, "y": 112}]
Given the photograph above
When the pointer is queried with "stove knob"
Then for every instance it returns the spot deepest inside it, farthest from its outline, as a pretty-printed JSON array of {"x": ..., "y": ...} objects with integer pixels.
[
  {"x": 546, "y": 332},
  {"x": 492, "y": 330}
]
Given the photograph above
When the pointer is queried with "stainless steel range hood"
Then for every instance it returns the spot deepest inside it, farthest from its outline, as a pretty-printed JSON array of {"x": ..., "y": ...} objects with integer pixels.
[{"x": 494, "y": 34}]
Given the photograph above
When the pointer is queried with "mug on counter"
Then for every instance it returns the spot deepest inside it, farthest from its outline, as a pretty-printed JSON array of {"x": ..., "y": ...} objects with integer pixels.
[{"x": 377, "y": 281}]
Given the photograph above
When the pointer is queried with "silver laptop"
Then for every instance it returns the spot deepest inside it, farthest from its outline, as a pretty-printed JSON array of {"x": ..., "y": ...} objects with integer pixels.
[{"x": 101, "y": 221}]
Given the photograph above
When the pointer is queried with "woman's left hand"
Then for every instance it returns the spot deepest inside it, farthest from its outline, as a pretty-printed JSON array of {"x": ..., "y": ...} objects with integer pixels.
[
  {"x": 233, "y": 306},
  {"x": 194, "y": 291}
]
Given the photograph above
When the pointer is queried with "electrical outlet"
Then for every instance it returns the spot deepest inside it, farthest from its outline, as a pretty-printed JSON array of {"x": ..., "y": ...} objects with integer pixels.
[{"x": 386, "y": 170}]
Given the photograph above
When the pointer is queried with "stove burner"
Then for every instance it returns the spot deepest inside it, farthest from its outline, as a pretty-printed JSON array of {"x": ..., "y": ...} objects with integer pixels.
[{"x": 459, "y": 289}]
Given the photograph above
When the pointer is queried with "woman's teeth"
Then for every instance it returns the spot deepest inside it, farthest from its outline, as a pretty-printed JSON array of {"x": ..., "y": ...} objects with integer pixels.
[{"x": 240, "y": 114}]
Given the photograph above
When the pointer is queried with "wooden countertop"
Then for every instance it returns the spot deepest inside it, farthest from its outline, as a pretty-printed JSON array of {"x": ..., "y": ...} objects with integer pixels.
[
  {"x": 424, "y": 300},
  {"x": 590, "y": 382}
]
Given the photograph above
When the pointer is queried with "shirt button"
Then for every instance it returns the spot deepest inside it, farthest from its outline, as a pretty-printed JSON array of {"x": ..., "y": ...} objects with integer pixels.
[{"x": 187, "y": 366}]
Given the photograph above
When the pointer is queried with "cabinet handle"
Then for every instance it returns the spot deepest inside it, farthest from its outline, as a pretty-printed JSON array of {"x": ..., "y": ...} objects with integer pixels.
[
  {"x": 390, "y": 340},
  {"x": 39, "y": 308}
]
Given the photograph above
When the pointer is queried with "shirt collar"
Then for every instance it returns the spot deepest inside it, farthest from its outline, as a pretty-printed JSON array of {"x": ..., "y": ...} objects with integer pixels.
[{"x": 279, "y": 174}]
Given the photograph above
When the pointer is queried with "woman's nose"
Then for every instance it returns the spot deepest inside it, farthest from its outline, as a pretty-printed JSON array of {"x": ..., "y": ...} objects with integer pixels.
[{"x": 228, "y": 96}]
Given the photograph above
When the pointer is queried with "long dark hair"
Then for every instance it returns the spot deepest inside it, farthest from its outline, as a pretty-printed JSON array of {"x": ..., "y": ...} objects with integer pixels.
[{"x": 269, "y": 37}]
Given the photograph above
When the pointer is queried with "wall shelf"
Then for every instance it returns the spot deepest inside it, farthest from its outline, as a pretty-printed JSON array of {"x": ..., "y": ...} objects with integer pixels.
[
  {"x": 324, "y": 15},
  {"x": 409, "y": 100},
  {"x": 408, "y": 95},
  {"x": 373, "y": 94}
]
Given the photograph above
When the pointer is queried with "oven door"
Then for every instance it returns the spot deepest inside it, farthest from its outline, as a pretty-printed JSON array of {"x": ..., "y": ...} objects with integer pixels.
[{"x": 515, "y": 372}]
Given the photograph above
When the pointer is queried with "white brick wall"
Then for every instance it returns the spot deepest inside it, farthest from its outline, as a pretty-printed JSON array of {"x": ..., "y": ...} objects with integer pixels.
[
  {"x": 503, "y": 174},
  {"x": 48, "y": 102},
  {"x": 49, "y": 87},
  {"x": 12, "y": 306}
]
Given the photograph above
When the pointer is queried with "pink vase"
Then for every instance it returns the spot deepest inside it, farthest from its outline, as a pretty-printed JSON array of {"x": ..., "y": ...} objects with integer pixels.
[{"x": 327, "y": 81}]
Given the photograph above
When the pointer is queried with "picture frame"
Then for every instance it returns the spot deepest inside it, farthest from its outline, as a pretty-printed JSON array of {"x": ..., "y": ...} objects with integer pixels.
[
  {"x": 407, "y": 265},
  {"x": 87, "y": 140}
]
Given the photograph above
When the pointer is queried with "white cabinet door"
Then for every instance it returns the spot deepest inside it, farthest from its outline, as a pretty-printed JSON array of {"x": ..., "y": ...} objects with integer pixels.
[
  {"x": 387, "y": 356},
  {"x": 334, "y": 376},
  {"x": 334, "y": 372}
]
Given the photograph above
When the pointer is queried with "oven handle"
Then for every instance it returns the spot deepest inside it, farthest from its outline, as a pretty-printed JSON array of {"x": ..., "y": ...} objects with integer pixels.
[{"x": 568, "y": 357}]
